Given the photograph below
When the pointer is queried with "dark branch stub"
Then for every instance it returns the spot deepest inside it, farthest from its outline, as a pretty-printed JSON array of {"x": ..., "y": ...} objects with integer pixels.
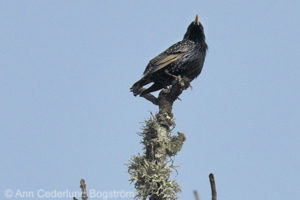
[{"x": 213, "y": 187}]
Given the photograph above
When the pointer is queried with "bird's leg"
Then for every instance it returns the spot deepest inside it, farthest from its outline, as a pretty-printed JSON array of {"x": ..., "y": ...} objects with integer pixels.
[
  {"x": 191, "y": 87},
  {"x": 168, "y": 73}
]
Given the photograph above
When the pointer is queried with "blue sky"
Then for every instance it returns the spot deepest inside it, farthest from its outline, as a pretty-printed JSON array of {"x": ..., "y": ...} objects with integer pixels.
[{"x": 66, "y": 111}]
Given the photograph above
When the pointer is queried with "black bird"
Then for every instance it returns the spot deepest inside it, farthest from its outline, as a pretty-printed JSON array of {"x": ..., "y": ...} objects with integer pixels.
[{"x": 184, "y": 58}]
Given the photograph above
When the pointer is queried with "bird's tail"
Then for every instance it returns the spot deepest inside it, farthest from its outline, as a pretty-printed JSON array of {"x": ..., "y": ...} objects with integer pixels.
[
  {"x": 153, "y": 88},
  {"x": 137, "y": 86},
  {"x": 135, "y": 89}
]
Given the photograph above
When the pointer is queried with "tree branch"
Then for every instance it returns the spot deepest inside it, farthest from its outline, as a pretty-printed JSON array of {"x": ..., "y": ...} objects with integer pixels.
[
  {"x": 151, "y": 98},
  {"x": 213, "y": 187},
  {"x": 196, "y": 195},
  {"x": 151, "y": 172},
  {"x": 83, "y": 189}
]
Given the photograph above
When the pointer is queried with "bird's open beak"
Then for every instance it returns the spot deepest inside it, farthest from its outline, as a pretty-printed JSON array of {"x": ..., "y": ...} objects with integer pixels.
[{"x": 196, "y": 20}]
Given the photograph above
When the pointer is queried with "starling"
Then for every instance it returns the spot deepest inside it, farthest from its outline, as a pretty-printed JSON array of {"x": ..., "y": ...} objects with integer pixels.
[{"x": 184, "y": 58}]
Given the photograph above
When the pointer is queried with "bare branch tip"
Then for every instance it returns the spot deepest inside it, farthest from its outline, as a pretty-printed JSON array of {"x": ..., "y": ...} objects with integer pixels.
[
  {"x": 196, "y": 195},
  {"x": 213, "y": 186}
]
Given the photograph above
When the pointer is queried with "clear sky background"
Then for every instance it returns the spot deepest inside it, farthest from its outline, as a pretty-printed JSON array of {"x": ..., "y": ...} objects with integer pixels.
[{"x": 66, "y": 112}]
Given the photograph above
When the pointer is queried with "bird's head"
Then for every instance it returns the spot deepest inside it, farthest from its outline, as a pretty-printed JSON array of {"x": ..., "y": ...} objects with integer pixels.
[{"x": 195, "y": 31}]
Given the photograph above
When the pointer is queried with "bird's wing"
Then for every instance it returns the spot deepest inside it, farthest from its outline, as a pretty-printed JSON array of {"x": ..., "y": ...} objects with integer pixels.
[
  {"x": 168, "y": 60},
  {"x": 164, "y": 59}
]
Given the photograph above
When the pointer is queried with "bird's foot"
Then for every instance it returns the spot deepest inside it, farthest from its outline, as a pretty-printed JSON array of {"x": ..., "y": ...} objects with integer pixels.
[{"x": 168, "y": 73}]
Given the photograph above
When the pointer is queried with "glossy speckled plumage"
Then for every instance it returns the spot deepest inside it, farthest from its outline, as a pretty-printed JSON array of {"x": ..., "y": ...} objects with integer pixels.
[{"x": 184, "y": 58}]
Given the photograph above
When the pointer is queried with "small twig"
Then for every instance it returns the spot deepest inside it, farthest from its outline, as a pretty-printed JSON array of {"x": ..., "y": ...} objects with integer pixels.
[
  {"x": 151, "y": 98},
  {"x": 213, "y": 187},
  {"x": 83, "y": 190},
  {"x": 196, "y": 195}
]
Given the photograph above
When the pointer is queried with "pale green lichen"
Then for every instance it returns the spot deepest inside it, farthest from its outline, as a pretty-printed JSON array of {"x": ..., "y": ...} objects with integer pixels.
[
  {"x": 150, "y": 172},
  {"x": 152, "y": 177}
]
